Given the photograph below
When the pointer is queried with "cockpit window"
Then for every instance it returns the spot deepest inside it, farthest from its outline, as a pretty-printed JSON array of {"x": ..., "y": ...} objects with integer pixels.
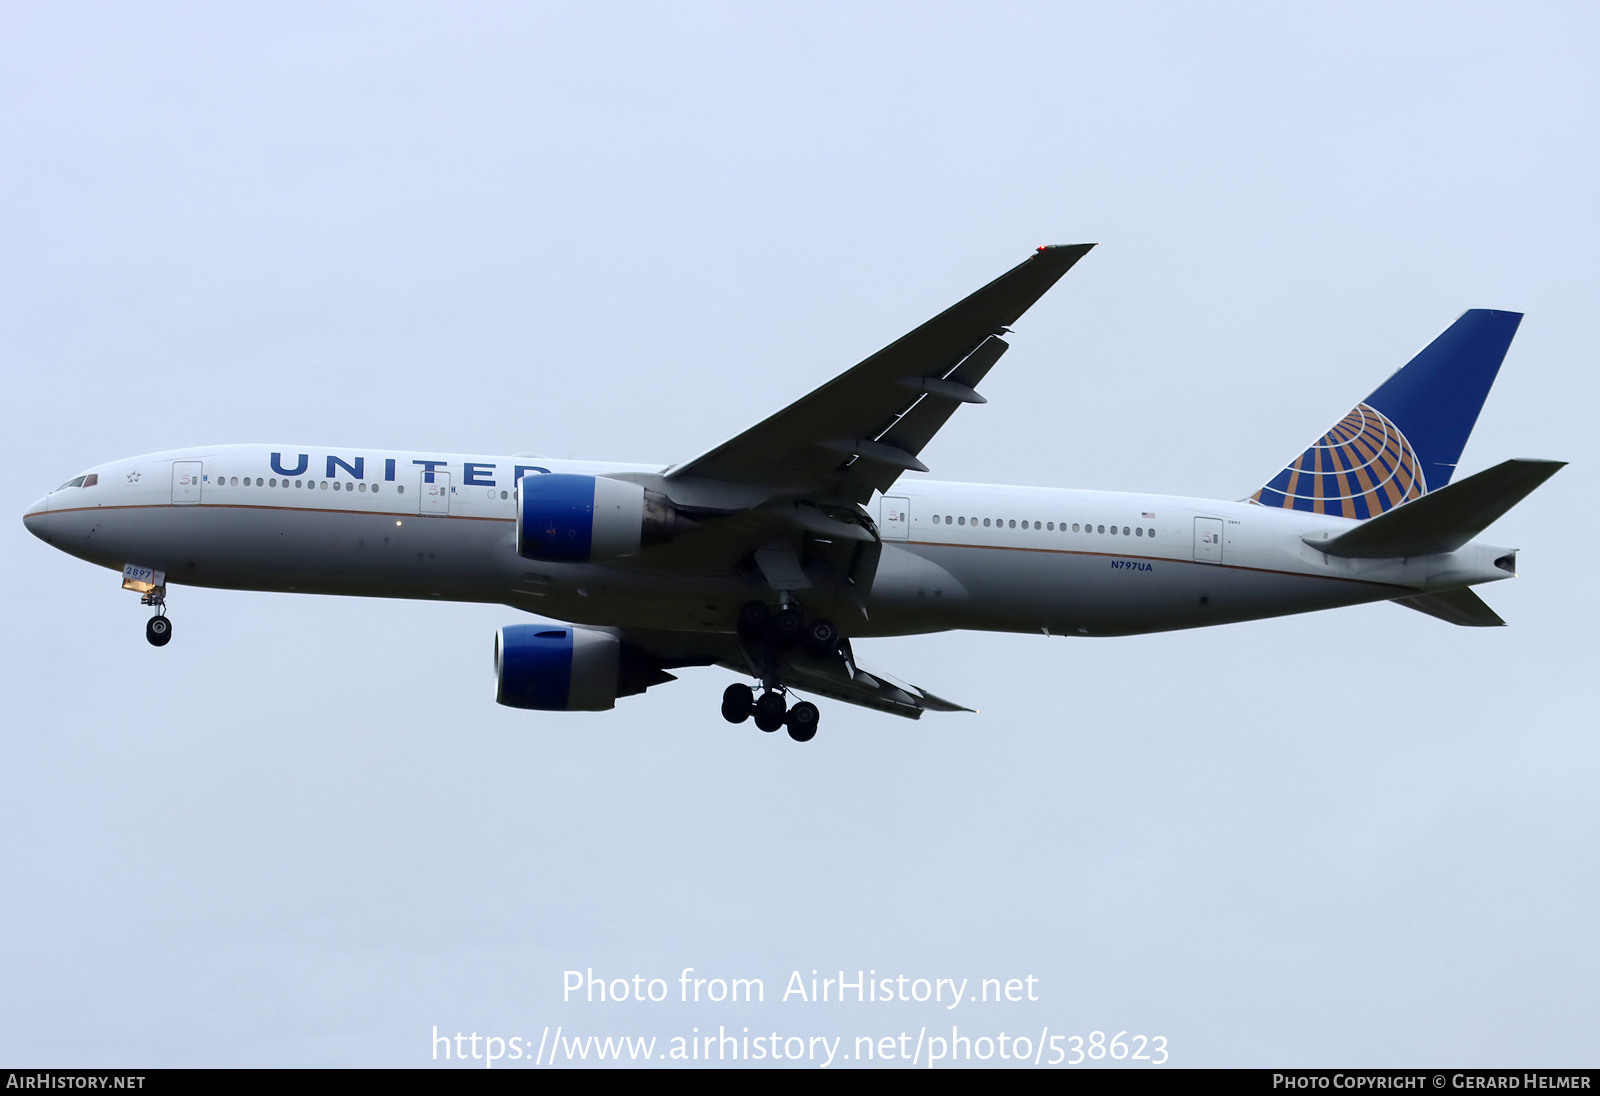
[
  {"x": 91, "y": 479},
  {"x": 75, "y": 482}
]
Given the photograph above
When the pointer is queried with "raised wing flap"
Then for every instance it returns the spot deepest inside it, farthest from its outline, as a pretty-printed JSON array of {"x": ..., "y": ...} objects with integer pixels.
[
  {"x": 839, "y": 679},
  {"x": 861, "y": 430}
]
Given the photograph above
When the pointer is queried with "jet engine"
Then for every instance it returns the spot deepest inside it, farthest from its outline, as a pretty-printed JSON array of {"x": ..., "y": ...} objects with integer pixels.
[
  {"x": 564, "y": 518},
  {"x": 560, "y": 668}
]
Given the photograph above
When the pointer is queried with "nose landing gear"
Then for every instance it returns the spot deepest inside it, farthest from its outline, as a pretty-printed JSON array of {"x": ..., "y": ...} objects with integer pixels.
[
  {"x": 158, "y": 631},
  {"x": 150, "y": 584}
]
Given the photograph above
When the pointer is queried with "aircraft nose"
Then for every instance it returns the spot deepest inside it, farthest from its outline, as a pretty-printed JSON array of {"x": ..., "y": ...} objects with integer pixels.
[{"x": 31, "y": 515}]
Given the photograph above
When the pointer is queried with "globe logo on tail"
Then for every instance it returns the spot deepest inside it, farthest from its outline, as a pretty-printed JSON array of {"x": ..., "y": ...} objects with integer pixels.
[{"x": 1358, "y": 469}]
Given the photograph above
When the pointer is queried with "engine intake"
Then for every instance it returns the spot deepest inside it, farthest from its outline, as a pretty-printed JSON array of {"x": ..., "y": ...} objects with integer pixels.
[
  {"x": 559, "y": 668},
  {"x": 563, "y": 518}
]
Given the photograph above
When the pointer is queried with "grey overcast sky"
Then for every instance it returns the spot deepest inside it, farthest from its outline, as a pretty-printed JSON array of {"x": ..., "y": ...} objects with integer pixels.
[{"x": 304, "y": 834}]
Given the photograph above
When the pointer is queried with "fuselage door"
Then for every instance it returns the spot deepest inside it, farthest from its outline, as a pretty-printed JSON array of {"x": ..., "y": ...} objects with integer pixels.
[
  {"x": 896, "y": 523},
  {"x": 434, "y": 498},
  {"x": 186, "y": 481},
  {"x": 1208, "y": 540}
]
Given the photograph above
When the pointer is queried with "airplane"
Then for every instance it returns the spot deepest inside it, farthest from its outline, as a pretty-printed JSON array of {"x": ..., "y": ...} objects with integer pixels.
[{"x": 773, "y": 553}]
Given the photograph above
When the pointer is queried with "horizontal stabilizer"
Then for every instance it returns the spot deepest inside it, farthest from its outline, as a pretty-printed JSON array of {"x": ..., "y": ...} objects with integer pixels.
[
  {"x": 1461, "y": 607},
  {"x": 1442, "y": 520}
]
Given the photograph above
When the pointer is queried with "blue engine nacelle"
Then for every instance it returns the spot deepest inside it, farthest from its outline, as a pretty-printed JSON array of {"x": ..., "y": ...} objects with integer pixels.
[
  {"x": 556, "y": 668},
  {"x": 564, "y": 518}
]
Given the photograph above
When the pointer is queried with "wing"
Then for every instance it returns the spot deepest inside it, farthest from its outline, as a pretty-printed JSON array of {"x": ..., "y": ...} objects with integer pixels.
[
  {"x": 834, "y": 676},
  {"x": 841, "y": 679},
  {"x": 860, "y": 431}
]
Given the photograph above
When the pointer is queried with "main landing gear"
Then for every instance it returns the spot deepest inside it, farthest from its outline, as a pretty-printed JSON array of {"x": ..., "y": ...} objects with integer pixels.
[
  {"x": 767, "y": 631},
  {"x": 158, "y": 629},
  {"x": 786, "y": 626},
  {"x": 739, "y": 703}
]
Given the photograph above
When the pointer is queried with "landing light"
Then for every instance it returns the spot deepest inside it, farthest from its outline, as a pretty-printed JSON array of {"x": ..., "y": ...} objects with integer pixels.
[{"x": 397, "y": 523}]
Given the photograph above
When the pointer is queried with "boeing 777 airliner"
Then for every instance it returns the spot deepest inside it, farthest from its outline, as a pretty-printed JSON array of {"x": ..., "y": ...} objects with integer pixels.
[{"x": 773, "y": 552}]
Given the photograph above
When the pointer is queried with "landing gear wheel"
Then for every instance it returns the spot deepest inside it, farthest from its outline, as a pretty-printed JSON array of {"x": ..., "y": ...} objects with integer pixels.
[
  {"x": 737, "y": 703},
  {"x": 803, "y": 721},
  {"x": 788, "y": 625},
  {"x": 158, "y": 631},
  {"x": 822, "y": 638},
  {"x": 769, "y": 711},
  {"x": 753, "y": 618}
]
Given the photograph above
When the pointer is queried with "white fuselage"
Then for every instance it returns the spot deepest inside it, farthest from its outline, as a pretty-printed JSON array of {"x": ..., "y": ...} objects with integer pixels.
[{"x": 1027, "y": 559}]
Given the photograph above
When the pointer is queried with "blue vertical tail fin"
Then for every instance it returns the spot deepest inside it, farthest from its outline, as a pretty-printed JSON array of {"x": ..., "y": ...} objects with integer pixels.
[{"x": 1403, "y": 440}]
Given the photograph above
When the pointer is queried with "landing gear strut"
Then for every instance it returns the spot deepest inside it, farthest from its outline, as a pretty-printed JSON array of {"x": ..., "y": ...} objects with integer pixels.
[
  {"x": 784, "y": 627},
  {"x": 769, "y": 711},
  {"x": 158, "y": 629},
  {"x": 766, "y": 631},
  {"x": 787, "y": 625}
]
